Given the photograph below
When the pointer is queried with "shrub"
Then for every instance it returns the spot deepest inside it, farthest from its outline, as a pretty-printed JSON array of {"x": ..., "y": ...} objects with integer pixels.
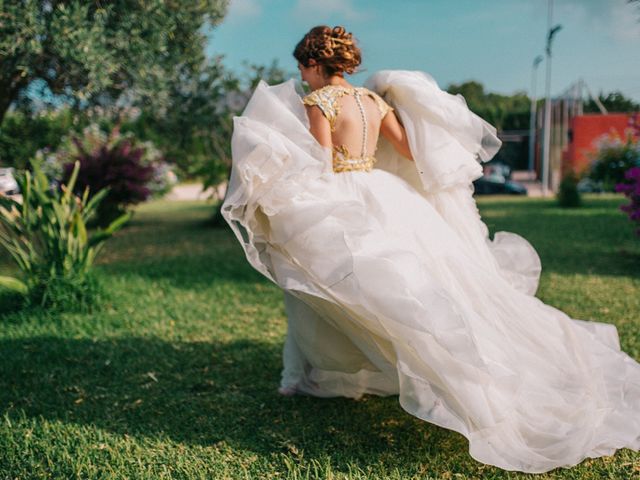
[
  {"x": 45, "y": 233},
  {"x": 613, "y": 158},
  {"x": 568, "y": 194},
  {"x": 631, "y": 188},
  {"x": 133, "y": 171}
]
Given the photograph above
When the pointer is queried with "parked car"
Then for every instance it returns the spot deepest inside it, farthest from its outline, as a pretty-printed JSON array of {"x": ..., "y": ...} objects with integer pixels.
[
  {"x": 8, "y": 184},
  {"x": 498, "y": 170},
  {"x": 586, "y": 185},
  {"x": 496, "y": 180},
  {"x": 492, "y": 185}
]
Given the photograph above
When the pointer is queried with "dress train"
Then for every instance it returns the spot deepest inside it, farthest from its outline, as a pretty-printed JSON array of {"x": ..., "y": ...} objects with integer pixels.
[{"x": 392, "y": 285}]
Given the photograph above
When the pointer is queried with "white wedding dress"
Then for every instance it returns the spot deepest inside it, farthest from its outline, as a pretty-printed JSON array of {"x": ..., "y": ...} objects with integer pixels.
[{"x": 393, "y": 287}]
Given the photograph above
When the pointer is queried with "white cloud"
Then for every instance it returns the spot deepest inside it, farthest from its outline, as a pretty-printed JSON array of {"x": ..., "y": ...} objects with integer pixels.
[
  {"x": 306, "y": 9},
  {"x": 615, "y": 18},
  {"x": 625, "y": 22}
]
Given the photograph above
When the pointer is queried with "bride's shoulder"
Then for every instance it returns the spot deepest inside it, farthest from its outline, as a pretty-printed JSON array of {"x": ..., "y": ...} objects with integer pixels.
[
  {"x": 326, "y": 98},
  {"x": 383, "y": 107},
  {"x": 326, "y": 94}
]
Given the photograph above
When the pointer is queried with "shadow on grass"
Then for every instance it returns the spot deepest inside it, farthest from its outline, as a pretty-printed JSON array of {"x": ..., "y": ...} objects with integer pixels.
[{"x": 205, "y": 393}]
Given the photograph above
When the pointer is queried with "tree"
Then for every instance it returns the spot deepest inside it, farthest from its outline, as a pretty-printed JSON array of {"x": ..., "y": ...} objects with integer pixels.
[
  {"x": 195, "y": 133},
  {"x": 505, "y": 112},
  {"x": 93, "y": 52},
  {"x": 613, "y": 102},
  {"x": 472, "y": 91}
]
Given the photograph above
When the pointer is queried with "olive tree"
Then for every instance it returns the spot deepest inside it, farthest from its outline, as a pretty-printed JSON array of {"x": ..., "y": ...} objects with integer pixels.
[{"x": 93, "y": 51}]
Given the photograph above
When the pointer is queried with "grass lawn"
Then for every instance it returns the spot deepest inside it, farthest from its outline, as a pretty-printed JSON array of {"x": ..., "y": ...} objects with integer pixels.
[{"x": 176, "y": 376}]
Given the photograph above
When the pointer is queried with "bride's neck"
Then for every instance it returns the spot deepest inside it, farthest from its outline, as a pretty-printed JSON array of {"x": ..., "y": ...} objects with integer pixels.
[{"x": 334, "y": 80}]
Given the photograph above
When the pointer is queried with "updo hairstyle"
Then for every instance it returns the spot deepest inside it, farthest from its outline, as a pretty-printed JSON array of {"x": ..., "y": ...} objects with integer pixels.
[{"x": 332, "y": 48}]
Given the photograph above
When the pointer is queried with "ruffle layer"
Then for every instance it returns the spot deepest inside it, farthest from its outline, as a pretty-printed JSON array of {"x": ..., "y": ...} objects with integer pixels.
[{"x": 392, "y": 288}]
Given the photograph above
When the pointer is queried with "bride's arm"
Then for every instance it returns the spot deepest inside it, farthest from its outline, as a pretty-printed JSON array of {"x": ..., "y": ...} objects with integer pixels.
[
  {"x": 319, "y": 125},
  {"x": 392, "y": 130}
]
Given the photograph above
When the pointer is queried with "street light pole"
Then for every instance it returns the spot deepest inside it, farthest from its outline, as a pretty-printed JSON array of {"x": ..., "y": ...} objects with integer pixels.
[
  {"x": 547, "y": 104},
  {"x": 534, "y": 111}
]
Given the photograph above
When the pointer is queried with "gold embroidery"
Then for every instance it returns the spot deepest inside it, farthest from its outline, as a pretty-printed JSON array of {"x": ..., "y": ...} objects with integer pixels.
[
  {"x": 344, "y": 162},
  {"x": 327, "y": 99}
]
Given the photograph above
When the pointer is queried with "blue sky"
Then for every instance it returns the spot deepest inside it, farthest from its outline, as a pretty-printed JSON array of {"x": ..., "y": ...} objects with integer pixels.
[{"x": 491, "y": 41}]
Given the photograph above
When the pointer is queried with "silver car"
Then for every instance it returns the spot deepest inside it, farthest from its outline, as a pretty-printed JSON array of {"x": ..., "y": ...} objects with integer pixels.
[{"x": 8, "y": 184}]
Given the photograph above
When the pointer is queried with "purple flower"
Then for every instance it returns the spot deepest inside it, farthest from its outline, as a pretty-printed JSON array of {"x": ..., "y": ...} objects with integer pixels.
[{"x": 631, "y": 189}]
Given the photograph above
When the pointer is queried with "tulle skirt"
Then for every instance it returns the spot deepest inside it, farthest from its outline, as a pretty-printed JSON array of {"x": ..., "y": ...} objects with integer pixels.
[{"x": 393, "y": 290}]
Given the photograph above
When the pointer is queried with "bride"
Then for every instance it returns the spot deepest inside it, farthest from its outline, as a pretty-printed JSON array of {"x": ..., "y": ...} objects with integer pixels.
[{"x": 357, "y": 201}]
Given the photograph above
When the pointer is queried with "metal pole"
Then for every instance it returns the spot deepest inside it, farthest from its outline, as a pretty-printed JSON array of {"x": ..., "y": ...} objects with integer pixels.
[
  {"x": 547, "y": 110},
  {"x": 533, "y": 110},
  {"x": 580, "y": 101},
  {"x": 547, "y": 105}
]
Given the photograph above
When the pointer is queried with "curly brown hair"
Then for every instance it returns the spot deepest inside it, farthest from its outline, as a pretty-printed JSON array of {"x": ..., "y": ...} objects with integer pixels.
[{"x": 332, "y": 48}]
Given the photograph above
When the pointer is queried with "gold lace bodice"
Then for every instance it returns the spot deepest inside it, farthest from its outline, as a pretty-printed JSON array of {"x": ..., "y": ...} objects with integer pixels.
[{"x": 327, "y": 99}]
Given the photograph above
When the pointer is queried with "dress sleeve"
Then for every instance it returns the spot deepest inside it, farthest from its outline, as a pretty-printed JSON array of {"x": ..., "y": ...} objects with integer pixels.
[
  {"x": 383, "y": 107},
  {"x": 327, "y": 103}
]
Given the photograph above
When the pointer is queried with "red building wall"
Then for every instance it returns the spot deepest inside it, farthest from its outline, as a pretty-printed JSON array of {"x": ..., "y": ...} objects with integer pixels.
[{"x": 584, "y": 131}]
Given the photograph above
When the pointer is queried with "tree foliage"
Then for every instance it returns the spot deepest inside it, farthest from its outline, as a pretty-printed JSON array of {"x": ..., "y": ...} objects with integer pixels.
[
  {"x": 613, "y": 102},
  {"x": 505, "y": 112},
  {"x": 195, "y": 134},
  {"x": 93, "y": 52},
  {"x": 23, "y": 134}
]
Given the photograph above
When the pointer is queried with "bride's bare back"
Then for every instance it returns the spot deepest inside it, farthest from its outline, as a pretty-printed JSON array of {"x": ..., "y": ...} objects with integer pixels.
[{"x": 349, "y": 120}]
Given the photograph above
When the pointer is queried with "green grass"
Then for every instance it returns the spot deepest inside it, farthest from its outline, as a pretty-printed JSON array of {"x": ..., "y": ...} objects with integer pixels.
[{"x": 176, "y": 375}]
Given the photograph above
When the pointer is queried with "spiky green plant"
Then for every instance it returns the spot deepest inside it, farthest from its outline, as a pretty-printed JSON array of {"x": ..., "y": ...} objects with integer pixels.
[{"x": 46, "y": 236}]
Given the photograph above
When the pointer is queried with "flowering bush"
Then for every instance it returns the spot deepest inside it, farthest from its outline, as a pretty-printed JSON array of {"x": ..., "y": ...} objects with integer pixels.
[
  {"x": 614, "y": 156},
  {"x": 631, "y": 188},
  {"x": 163, "y": 179},
  {"x": 133, "y": 170}
]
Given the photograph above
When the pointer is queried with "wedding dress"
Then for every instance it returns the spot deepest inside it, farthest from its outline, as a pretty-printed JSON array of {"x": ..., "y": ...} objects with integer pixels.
[{"x": 393, "y": 287}]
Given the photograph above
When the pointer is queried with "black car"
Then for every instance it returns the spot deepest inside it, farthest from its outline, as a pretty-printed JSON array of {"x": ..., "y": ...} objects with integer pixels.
[{"x": 491, "y": 186}]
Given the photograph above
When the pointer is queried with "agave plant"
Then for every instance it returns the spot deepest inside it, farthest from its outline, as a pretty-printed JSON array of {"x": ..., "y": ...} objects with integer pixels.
[{"x": 46, "y": 236}]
